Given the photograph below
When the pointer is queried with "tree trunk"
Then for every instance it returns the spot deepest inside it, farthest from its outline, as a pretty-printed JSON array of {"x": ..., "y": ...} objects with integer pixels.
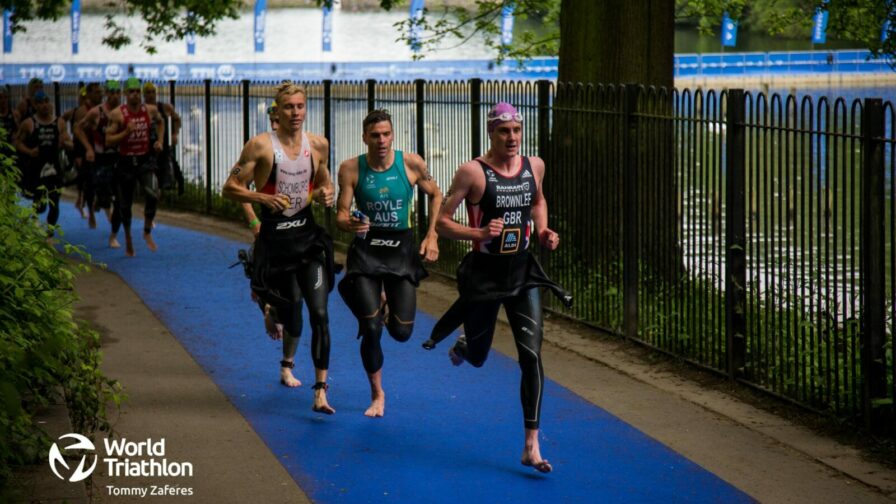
[
  {"x": 617, "y": 41},
  {"x": 605, "y": 44}
]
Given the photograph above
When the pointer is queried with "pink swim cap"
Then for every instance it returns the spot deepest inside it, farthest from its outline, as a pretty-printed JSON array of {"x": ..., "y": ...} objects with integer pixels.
[{"x": 502, "y": 112}]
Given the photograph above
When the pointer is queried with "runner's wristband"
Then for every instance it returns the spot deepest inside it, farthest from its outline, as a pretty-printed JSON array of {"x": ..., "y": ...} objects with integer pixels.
[{"x": 254, "y": 223}]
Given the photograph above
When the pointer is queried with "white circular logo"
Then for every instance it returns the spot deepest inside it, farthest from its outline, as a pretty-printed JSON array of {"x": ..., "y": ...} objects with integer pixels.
[
  {"x": 170, "y": 72},
  {"x": 114, "y": 72},
  {"x": 56, "y": 458},
  {"x": 226, "y": 72},
  {"x": 56, "y": 73}
]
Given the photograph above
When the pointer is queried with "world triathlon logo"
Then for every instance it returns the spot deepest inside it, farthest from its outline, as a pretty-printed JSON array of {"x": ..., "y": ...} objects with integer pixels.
[{"x": 57, "y": 459}]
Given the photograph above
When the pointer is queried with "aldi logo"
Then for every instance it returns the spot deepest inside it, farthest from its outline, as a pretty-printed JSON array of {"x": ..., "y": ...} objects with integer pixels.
[{"x": 510, "y": 241}]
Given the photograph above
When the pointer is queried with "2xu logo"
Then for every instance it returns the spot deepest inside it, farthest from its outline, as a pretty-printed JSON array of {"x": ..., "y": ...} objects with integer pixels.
[
  {"x": 57, "y": 459},
  {"x": 291, "y": 224},
  {"x": 377, "y": 242}
]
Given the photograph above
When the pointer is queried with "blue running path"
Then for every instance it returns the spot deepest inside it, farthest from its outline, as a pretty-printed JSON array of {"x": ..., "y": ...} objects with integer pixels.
[{"x": 450, "y": 434}]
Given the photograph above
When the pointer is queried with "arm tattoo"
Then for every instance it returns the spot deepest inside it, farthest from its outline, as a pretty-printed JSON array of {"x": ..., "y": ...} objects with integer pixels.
[
  {"x": 235, "y": 172},
  {"x": 447, "y": 197},
  {"x": 426, "y": 176}
]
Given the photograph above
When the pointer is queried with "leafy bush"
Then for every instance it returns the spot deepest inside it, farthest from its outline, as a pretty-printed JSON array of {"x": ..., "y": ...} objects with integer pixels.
[{"x": 43, "y": 349}]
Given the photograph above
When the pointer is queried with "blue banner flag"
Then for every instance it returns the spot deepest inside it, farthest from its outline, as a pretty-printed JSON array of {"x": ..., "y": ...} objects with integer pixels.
[
  {"x": 416, "y": 15},
  {"x": 729, "y": 31},
  {"x": 885, "y": 30},
  {"x": 507, "y": 24},
  {"x": 327, "y": 30},
  {"x": 261, "y": 7},
  {"x": 820, "y": 26},
  {"x": 76, "y": 25},
  {"x": 7, "y": 31}
]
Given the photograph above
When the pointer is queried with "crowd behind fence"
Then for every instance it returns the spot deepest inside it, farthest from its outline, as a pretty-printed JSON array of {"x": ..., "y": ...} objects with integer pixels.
[{"x": 746, "y": 233}]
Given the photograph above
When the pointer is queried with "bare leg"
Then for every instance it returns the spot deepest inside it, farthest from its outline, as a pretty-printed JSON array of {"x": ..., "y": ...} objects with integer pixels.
[
  {"x": 79, "y": 204},
  {"x": 320, "y": 393},
  {"x": 286, "y": 376},
  {"x": 128, "y": 244},
  {"x": 113, "y": 241},
  {"x": 271, "y": 326},
  {"x": 532, "y": 454},
  {"x": 455, "y": 353},
  {"x": 377, "y": 395},
  {"x": 150, "y": 243}
]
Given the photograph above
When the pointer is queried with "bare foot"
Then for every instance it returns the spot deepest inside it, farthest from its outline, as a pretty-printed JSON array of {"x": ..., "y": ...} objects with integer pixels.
[
  {"x": 320, "y": 402},
  {"x": 286, "y": 378},
  {"x": 129, "y": 246},
  {"x": 274, "y": 329},
  {"x": 377, "y": 407},
  {"x": 456, "y": 357},
  {"x": 532, "y": 453},
  {"x": 113, "y": 242},
  {"x": 150, "y": 243}
]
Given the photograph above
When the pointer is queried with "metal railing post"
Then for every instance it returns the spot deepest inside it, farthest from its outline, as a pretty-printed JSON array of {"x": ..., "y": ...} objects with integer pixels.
[
  {"x": 873, "y": 337},
  {"x": 476, "y": 116},
  {"x": 371, "y": 94},
  {"x": 208, "y": 146},
  {"x": 544, "y": 117},
  {"x": 57, "y": 98},
  {"x": 246, "y": 111},
  {"x": 328, "y": 128},
  {"x": 631, "y": 260},
  {"x": 735, "y": 233},
  {"x": 419, "y": 89}
]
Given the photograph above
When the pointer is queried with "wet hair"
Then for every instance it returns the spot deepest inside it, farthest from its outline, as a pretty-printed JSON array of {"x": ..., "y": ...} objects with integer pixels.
[
  {"x": 376, "y": 116},
  {"x": 287, "y": 89}
]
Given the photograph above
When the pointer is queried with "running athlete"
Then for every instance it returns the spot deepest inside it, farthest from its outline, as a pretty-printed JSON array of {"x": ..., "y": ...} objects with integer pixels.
[
  {"x": 293, "y": 256},
  {"x": 40, "y": 139},
  {"x": 89, "y": 96},
  {"x": 99, "y": 161},
  {"x": 165, "y": 159},
  {"x": 129, "y": 129},
  {"x": 503, "y": 195},
  {"x": 382, "y": 257}
]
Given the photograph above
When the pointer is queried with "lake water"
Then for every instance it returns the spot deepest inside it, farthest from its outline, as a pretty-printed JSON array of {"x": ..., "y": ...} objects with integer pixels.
[{"x": 294, "y": 35}]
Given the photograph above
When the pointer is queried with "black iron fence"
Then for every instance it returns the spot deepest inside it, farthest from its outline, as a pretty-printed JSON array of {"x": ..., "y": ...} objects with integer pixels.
[{"x": 746, "y": 233}]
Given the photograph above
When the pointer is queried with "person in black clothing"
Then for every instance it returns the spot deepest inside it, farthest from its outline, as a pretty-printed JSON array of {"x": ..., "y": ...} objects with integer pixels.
[
  {"x": 502, "y": 191},
  {"x": 168, "y": 169},
  {"x": 40, "y": 140}
]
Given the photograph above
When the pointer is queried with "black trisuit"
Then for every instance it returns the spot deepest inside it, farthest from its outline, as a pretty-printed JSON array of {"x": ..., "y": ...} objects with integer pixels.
[
  {"x": 45, "y": 170},
  {"x": 501, "y": 271}
]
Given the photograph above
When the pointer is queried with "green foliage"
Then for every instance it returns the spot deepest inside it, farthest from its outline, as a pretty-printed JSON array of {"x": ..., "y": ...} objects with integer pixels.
[
  {"x": 166, "y": 20},
  {"x": 43, "y": 349}
]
